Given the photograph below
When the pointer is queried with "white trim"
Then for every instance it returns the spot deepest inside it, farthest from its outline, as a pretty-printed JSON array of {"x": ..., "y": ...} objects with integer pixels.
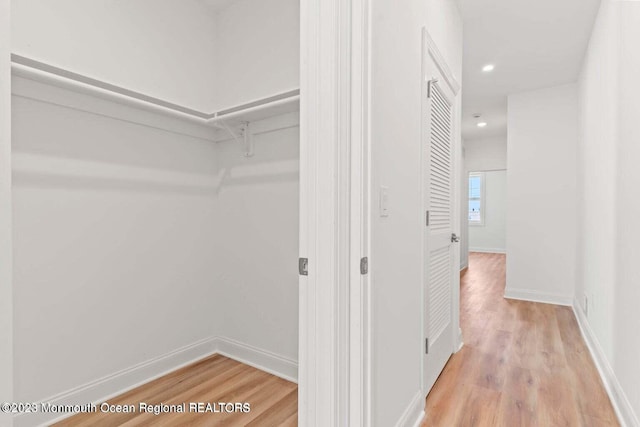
[
  {"x": 536, "y": 296},
  {"x": 120, "y": 382},
  {"x": 460, "y": 341},
  {"x": 267, "y": 361},
  {"x": 325, "y": 221},
  {"x": 414, "y": 413},
  {"x": 6, "y": 246},
  {"x": 619, "y": 400},
  {"x": 360, "y": 390},
  {"x": 38, "y": 71},
  {"x": 489, "y": 250}
]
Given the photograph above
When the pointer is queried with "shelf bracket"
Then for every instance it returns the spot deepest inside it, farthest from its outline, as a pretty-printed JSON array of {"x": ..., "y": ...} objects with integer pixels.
[{"x": 245, "y": 131}]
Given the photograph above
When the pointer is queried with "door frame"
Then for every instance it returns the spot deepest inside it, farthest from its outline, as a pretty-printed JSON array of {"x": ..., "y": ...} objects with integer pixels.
[
  {"x": 431, "y": 54},
  {"x": 334, "y": 346},
  {"x": 6, "y": 246}
]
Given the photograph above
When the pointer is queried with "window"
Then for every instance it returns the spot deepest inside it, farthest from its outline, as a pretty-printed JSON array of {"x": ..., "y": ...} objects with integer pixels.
[{"x": 476, "y": 198}]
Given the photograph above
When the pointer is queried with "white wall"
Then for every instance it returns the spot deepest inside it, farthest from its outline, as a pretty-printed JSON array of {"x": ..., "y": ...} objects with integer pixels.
[
  {"x": 257, "y": 244},
  {"x": 161, "y": 48},
  {"x": 488, "y": 154},
  {"x": 626, "y": 351},
  {"x": 485, "y": 154},
  {"x": 185, "y": 52},
  {"x": 597, "y": 169},
  {"x": 607, "y": 270},
  {"x": 541, "y": 196},
  {"x": 492, "y": 235},
  {"x": 126, "y": 249},
  {"x": 109, "y": 272},
  {"x": 245, "y": 59},
  {"x": 6, "y": 262},
  {"x": 396, "y": 264}
]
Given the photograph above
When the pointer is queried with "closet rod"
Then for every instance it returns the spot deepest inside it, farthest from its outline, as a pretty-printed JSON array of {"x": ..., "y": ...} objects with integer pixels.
[
  {"x": 55, "y": 76},
  {"x": 49, "y": 74},
  {"x": 258, "y": 108}
]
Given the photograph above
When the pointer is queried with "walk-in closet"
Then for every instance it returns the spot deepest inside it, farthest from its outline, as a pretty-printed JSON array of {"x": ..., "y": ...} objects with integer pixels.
[{"x": 155, "y": 151}]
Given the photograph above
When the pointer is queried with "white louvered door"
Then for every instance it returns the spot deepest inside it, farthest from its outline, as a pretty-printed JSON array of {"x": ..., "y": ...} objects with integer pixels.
[{"x": 439, "y": 268}]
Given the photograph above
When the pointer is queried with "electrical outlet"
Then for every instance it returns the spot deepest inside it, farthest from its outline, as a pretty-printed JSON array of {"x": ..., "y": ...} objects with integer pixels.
[{"x": 585, "y": 305}]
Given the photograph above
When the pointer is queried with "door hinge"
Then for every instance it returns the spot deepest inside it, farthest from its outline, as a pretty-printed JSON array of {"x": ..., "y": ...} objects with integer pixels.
[
  {"x": 364, "y": 265},
  {"x": 426, "y": 345},
  {"x": 427, "y": 218},
  {"x": 303, "y": 266}
]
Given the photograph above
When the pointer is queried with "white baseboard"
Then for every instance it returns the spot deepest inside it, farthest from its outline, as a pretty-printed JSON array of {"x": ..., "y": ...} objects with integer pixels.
[
  {"x": 621, "y": 405},
  {"x": 261, "y": 359},
  {"x": 489, "y": 250},
  {"x": 414, "y": 414},
  {"x": 535, "y": 296},
  {"x": 120, "y": 382},
  {"x": 460, "y": 340}
]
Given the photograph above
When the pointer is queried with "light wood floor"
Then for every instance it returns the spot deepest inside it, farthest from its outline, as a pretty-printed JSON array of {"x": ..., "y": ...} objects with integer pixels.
[
  {"x": 522, "y": 364},
  {"x": 274, "y": 401}
]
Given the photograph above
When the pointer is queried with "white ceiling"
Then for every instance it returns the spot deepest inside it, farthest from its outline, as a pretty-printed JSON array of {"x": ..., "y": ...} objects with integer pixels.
[{"x": 533, "y": 44}]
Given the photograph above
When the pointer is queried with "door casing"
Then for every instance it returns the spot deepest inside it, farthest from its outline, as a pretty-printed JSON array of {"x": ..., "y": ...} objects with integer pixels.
[{"x": 334, "y": 345}]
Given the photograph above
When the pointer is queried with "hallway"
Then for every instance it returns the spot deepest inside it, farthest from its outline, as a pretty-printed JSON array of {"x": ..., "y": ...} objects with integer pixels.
[{"x": 522, "y": 364}]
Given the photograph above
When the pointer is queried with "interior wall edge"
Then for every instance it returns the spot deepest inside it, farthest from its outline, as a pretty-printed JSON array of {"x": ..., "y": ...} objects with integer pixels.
[
  {"x": 537, "y": 296},
  {"x": 6, "y": 246},
  {"x": 414, "y": 413},
  {"x": 120, "y": 382},
  {"x": 621, "y": 405},
  {"x": 489, "y": 250},
  {"x": 267, "y": 361}
]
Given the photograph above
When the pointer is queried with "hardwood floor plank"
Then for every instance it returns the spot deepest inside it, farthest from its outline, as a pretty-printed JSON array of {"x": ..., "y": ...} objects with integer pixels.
[
  {"x": 211, "y": 380},
  {"x": 479, "y": 407},
  {"x": 518, "y": 405},
  {"x": 278, "y": 413},
  {"x": 523, "y": 363},
  {"x": 556, "y": 400}
]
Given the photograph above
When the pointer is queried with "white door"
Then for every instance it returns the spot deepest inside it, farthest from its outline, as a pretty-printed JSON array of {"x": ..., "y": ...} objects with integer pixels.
[{"x": 438, "y": 195}]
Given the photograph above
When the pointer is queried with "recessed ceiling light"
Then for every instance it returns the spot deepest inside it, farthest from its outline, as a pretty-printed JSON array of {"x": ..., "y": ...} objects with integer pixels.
[
  {"x": 488, "y": 68},
  {"x": 482, "y": 124}
]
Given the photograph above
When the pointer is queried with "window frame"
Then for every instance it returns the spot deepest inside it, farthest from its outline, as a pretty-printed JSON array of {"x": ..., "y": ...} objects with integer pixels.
[{"x": 482, "y": 199}]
